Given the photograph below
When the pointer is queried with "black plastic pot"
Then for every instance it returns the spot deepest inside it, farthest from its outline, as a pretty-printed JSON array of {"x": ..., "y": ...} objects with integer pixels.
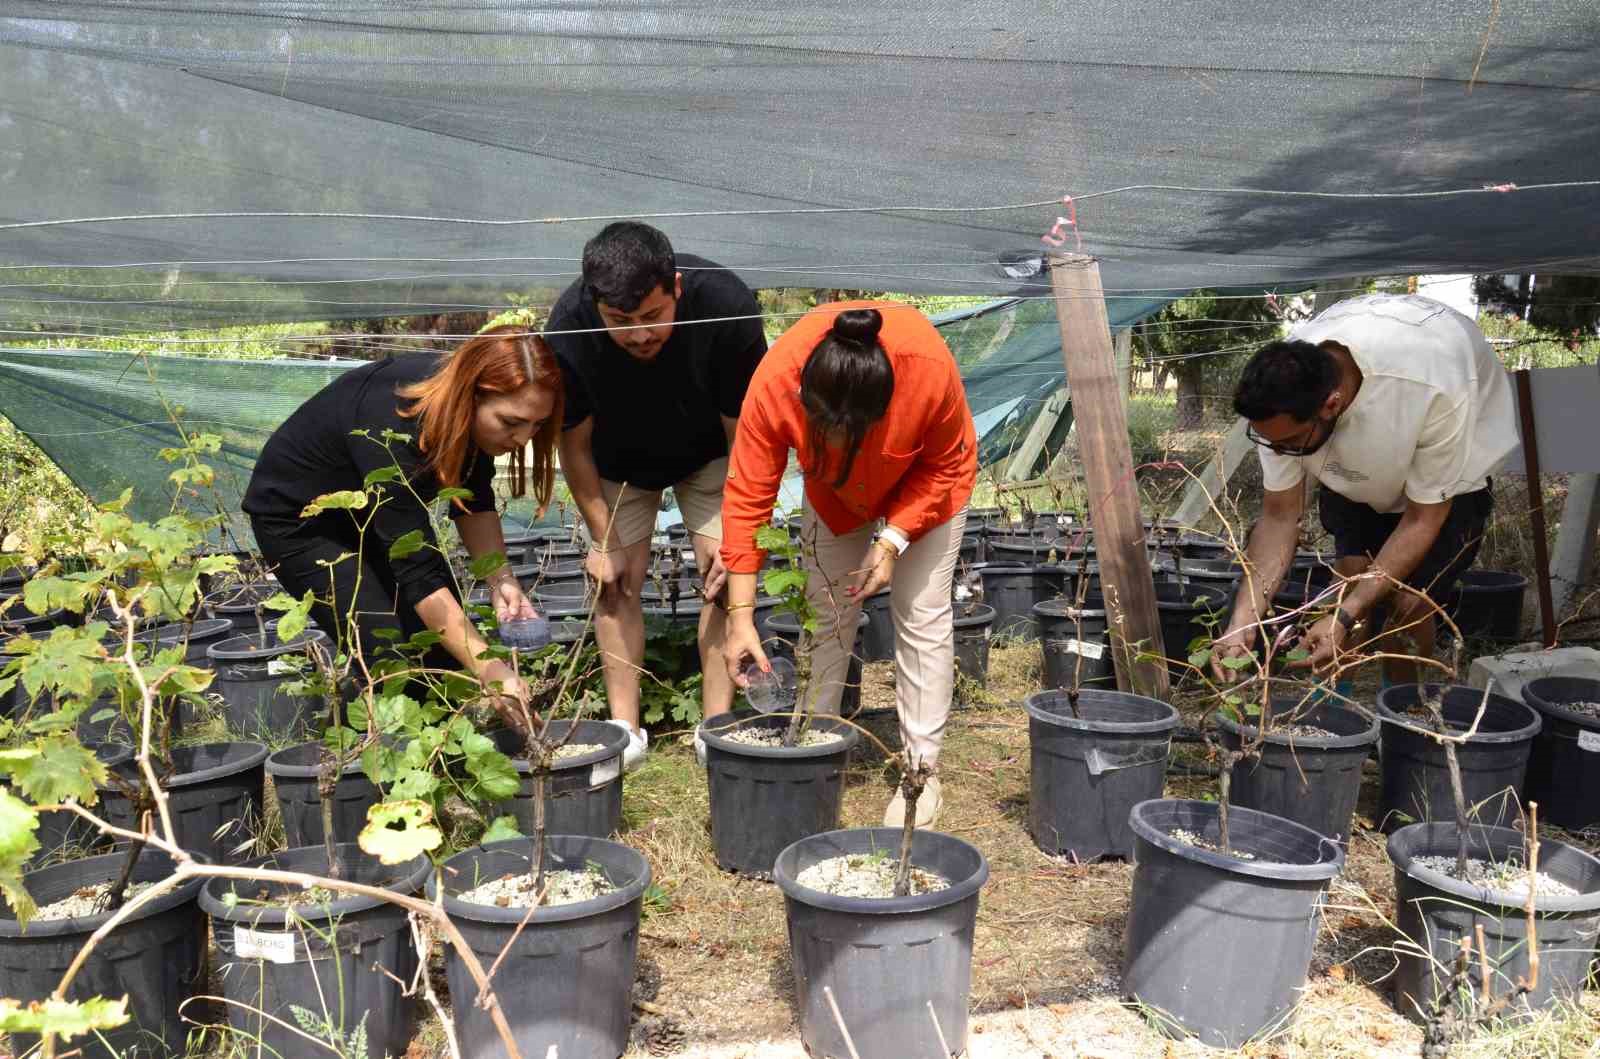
[
  {"x": 1220, "y": 572},
  {"x": 251, "y": 678},
  {"x": 1218, "y": 946},
  {"x": 1435, "y": 911},
  {"x": 1009, "y": 589},
  {"x": 155, "y": 958},
  {"x": 294, "y": 771},
  {"x": 557, "y": 560},
  {"x": 973, "y": 622},
  {"x": 196, "y": 638},
  {"x": 1564, "y": 765},
  {"x": 1203, "y": 546},
  {"x": 972, "y": 544},
  {"x": 1494, "y": 762},
  {"x": 214, "y": 795},
  {"x": 583, "y": 794},
  {"x": 1088, "y": 771},
  {"x": 1076, "y": 643},
  {"x": 65, "y": 835},
  {"x": 16, "y": 700},
  {"x": 894, "y": 965},
  {"x": 784, "y": 633},
  {"x": 347, "y": 961},
  {"x": 241, "y": 604},
  {"x": 19, "y": 622},
  {"x": 877, "y": 639},
  {"x": 1312, "y": 780},
  {"x": 1487, "y": 604},
  {"x": 763, "y": 798},
  {"x": 1184, "y": 610},
  {"x": 571, "y": 592},
  {"x": 566, "y": 983},
  {"x": 1032, "y": 550}
]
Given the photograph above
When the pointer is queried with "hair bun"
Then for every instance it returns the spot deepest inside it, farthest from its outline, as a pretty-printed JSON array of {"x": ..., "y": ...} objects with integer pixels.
[{"x": 858, "y": 325}]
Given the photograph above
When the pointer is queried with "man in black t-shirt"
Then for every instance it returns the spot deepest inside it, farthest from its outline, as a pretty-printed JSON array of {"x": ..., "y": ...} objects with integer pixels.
[{"x": 656, "y": 350}]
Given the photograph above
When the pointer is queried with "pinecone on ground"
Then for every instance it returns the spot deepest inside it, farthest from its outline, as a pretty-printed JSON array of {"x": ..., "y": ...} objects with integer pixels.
[
  {"x": 647, "y": 981},
  {"x": 663, "y": 1035}
]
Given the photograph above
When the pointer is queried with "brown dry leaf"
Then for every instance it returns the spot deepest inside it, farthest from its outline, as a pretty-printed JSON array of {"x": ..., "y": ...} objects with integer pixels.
[
  {"x": 1352, "y": 923},
  {"x": 1336, "y": 972}
]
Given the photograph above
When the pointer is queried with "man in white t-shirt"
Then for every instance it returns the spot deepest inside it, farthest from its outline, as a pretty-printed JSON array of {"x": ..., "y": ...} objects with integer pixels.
[{"x": 1400, "y": 410}]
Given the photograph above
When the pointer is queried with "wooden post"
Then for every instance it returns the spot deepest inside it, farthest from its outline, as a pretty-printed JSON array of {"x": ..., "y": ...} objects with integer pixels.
[
  {"x": 1102, "y": 422},
  {"x": 1541, "y": 546}
]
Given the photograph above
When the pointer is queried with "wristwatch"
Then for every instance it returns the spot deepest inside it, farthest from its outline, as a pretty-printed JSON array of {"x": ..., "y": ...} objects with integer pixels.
[
  {"x": 894, "y": 539},
  {"x": 1346, "y": 620}
]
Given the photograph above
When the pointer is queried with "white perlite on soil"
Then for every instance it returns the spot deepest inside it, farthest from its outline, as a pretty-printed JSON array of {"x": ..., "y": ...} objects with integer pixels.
[
  {"x": 866, "y": 875},
  {"x": 1587, "y": 709},
  {"x": 1189, "y": 838},
  {"x": 774, "y": 737},
  {"x": 561, "y": 888},
  {"x": 1506, "y": 877},
  {"x": 87, "y": 901},
  {"x": 572, "y": 750}
]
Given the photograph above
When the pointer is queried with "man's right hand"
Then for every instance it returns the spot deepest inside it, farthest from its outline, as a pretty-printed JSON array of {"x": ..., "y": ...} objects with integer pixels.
[
  {"x": 606, "y": 568},
  {"x": 1235, "y": 643},
  {"x": 743, "y": 642}
]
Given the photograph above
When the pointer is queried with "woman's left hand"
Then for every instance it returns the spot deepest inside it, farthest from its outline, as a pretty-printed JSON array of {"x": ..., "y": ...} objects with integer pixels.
[
  {"x": 878, "y": 571},
  {"x": 510, "y": 602}
]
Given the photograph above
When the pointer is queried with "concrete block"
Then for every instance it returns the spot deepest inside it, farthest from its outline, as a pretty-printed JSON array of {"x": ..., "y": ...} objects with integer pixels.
[{"x": 1515, "y": 668}]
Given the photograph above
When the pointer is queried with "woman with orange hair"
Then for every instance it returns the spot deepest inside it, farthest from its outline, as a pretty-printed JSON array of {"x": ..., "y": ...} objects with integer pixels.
[{"x": 442, "y": 422}]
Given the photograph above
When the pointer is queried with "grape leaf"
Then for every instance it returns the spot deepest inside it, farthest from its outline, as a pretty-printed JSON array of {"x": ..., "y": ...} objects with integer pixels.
[
  {"x": 61, "y": 768},
  {"x": 453, "y": 492},
  {"x": 495, "y": 777},
  {"x": 68, "y": 1018},
  {"x": 500, "y": 829},
  {"x": 399, "y": 831},
  {"x": 408, "y": 543},
  {"x": 382, "y": 474},
  {"x": 778, "y": 582},
  {"x": 342, "y": 500},
  {"x": 1238, "y": 662},
  {"x": 18, "y": 822},
  {"x": 772, "y": 538}
]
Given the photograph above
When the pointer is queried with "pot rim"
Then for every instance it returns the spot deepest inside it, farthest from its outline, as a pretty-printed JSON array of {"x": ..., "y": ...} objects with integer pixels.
[
  {"x": 1443, "y": 835},
  {"x": 955, "y": 893},
  {"x": 256, "y": 916},
  {"x": 1262, "y": 869},
  {"x": 1035, "y": 705},
  {"x": 631, "y": 891},
  {"x": 727, "y": 746}
]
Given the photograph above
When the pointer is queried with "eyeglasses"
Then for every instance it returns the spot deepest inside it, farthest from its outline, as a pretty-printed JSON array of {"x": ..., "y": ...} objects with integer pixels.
[{"x": 1303, "y": 447}]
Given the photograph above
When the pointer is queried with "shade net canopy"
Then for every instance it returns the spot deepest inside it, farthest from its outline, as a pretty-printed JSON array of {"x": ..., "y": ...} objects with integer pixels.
[{"x": 202, "y": 162}]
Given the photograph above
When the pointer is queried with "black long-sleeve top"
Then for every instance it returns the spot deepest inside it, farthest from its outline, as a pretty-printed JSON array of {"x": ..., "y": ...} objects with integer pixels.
[{"x": 314, "y": 452}]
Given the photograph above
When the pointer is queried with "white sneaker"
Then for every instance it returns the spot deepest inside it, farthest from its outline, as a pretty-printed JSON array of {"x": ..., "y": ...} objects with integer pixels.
[{"x": 638, "y": 743}]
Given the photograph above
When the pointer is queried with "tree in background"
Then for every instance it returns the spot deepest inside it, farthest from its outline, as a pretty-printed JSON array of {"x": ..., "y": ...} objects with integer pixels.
[{"x": 1201, "y": 341}]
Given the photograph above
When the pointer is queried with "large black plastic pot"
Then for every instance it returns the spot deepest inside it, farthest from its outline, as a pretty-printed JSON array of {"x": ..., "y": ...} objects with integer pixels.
[
  {"x": 1010, "y": 589},
  {"x": 65, "y": 835},
  {"x": 972, "y": 544},
  {"x": 1488, "y": 604},
  {"x": 347, "y": 961},
  {"x": 241, "y": 604},
  {"x": 972, "y": 623},
  {"x": 763, "y": 798},
  {"x": 1087, "y": 772},
  {"x": 197, "y": 638},
  {"x": 571, "y": 592},
  {"x": 1184, "y": 610},
  {"x": 894, "y": 965},
  {"x": 1076, "y": 643},
  {"x": 251, "y": 678},
  {"x": 155, "y": 958},
  {"x": 18, "y": 622},
  {"x": 566, "y": 982},
  {"x": 1564, "y": 765},
  {"x": 784, "y": 633},
  {"x": 1435, "y": 911},
  {"x": 1203, "y": 546},
  {"x": 583, "y": 793},
  {"x": 1031, "y": 550},
  {"x": 877, "y": 638},
  {"x": 294, "y": 771},
  {"x": 1218, "y": 946},
  {"x": 1494, "y": 762},
  {"x": 214, "y": 795},
  {"x": 1312, "y": 780}
]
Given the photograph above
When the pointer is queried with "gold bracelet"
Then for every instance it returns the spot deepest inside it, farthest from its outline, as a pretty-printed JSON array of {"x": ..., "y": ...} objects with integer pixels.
[{"x": 741, "y": 606}]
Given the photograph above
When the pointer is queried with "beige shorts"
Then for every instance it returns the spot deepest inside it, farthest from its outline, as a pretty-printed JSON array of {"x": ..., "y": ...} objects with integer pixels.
[{"x": 699, "y": 497}]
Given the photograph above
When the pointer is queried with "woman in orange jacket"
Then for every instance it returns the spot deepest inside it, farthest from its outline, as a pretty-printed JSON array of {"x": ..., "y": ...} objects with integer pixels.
[{"x": 871, "y": 398}]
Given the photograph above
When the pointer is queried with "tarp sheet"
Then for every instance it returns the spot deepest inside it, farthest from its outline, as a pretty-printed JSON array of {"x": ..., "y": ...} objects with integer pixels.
[{"x": 328, "y": 159}]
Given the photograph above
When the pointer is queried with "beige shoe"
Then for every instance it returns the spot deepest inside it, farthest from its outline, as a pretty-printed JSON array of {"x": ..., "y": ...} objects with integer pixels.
[{"x": 928, "y": 806}]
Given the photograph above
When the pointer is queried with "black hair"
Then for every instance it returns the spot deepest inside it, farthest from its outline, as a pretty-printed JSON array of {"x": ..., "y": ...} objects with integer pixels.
[
  {"x": 625, "y": 262},
  {"x": 1287, "y": 377},
  {"x": 845, "y": 386}
]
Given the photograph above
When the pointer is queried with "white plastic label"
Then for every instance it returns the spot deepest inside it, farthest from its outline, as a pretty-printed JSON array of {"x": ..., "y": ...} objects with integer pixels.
[
  {"x": 1095, "y": 651},
  {"x": 605, "y": 771},
  {"x": 277, "y": 667},
  {"x": 1589, "y": 741},
  {"x": 274, "y": 946}
]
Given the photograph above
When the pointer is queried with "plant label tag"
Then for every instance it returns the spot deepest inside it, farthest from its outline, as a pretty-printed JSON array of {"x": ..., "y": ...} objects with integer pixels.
[
  {"x": 277, "y": 667},
  {"x": 1095, "y": 651},
  {"x": 274, "y": 946},
  {"x": 605, "y": 771},
  {"x": 1589, "y": 740}
]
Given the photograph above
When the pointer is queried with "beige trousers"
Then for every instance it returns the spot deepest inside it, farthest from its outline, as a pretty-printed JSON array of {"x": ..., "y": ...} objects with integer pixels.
[{"x": 924, "y": 634}]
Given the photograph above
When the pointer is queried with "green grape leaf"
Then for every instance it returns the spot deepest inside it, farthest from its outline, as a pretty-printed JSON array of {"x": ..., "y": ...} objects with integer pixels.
[
  {"x": 414, "y": 783},
  {"x": 68, "y": 1018},
  {"x": 399, "y": 831},
  {"x": 45, "y": 594},
  {"x": 779, "y": 582},
  {"x": 484, "y": 565},
  {"x": 382, "y": 474},
  {"x": 18, "y": 822},
  {"x": 1199, "y": 659},
  {"x": 500, "y": 829},
  {"x": 67, "y": 661},
  {"x": 495, "y": 777},
  {"x": 452, "y": 493},
  {"x": 1238, "y": 662},
  {"x": 474, "y": 744},
  {"x": 1299, "y": 654},
  {"x": 408, "y": 543},
  {"x": 770, "y": 538},
  {"x": 59, "y": 768},
  {"x": 340, "y": 500}
]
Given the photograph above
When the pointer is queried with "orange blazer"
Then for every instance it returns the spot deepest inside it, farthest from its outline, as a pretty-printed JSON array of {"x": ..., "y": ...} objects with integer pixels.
[{"x": 917, "y": 464}]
